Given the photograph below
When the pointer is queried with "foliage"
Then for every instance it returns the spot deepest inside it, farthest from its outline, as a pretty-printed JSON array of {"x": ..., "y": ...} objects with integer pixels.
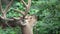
[
  {"x": 47, "y": 11},
  {"x": 9, "y": 30}
]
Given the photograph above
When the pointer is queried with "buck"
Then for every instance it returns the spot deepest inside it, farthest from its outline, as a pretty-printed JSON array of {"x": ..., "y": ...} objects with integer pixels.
[
  {"x": 27, "y": 27},
  {"x": 26, "y": 22}
]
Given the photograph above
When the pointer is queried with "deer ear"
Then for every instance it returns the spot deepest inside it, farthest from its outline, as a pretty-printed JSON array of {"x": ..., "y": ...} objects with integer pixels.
[{"x": 34, "y": 16}]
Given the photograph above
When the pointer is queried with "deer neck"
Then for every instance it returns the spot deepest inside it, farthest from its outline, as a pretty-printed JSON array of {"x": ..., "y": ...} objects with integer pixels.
[{"x": 27, "y": 29}]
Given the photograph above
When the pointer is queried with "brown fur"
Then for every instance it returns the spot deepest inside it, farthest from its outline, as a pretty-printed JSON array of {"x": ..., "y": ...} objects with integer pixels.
[{"x": 28, "y": 28}]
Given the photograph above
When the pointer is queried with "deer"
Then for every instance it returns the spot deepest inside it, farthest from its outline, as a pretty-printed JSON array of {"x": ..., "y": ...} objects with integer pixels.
[{"x": 26, "y": 22}]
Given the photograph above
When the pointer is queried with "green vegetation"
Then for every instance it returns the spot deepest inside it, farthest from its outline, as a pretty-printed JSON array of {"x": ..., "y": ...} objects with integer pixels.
[{"x": 47, "y": 11}]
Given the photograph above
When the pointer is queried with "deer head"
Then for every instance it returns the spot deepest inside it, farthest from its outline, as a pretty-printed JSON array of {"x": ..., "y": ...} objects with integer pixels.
[
  {"x": 26, "y": 20},
  {"x": 31, "y": 19}
]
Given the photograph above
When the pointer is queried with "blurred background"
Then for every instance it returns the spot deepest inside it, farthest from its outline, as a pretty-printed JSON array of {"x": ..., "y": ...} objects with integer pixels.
[{"x": 47, "y": 12}]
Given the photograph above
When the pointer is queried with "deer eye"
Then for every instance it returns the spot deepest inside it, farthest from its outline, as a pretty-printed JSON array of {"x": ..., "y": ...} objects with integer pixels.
[{"x": 30, "y": 18}]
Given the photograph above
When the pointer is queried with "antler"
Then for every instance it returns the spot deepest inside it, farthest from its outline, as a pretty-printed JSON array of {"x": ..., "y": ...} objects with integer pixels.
[
  {"x": 6, "y": 9},
  {"x": 8, "y": 6},
  {"x": 27, "y": 6},
  {"x": 24, "y": 13},
  {"x": 4, "y": 12},
  {"x": 0, "y": 6}
]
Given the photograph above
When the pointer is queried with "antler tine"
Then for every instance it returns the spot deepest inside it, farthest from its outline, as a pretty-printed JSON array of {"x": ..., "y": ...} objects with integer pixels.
[
  {"x": 29, "y": 4},
  {"x": 8, "y": 6},
  {"x": 1, "y": 6},
  {"x": 6, "y": 19},
  {"x": 28, "y": 7},
  {"x": 5, "y": 11},
  {"x": 21, "y": 12},
  {"x": 24, "y": 3}
]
